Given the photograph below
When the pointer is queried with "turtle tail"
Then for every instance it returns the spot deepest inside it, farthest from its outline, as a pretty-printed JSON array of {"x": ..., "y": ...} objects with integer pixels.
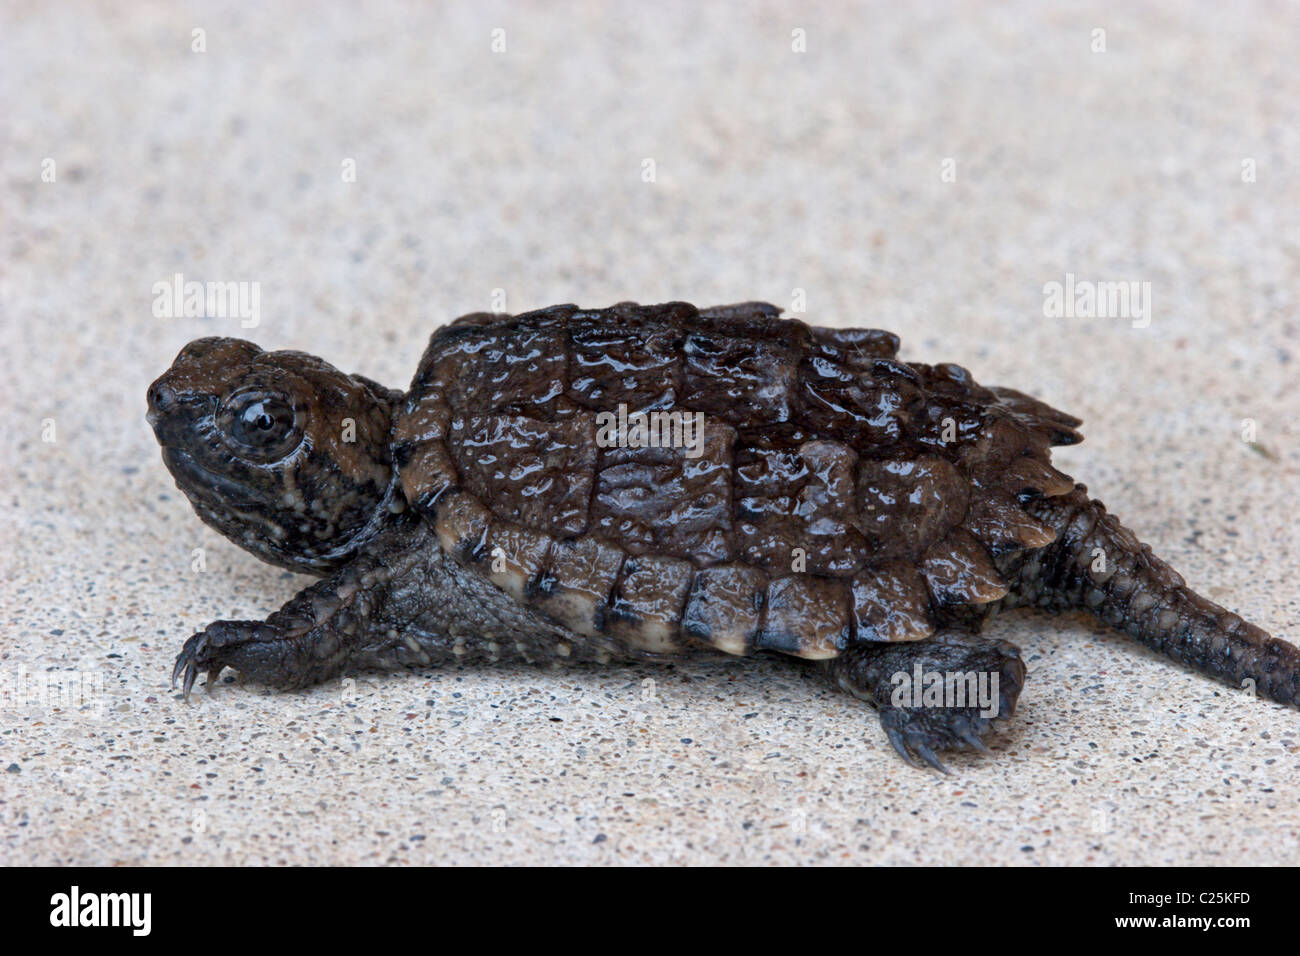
[{"x": 1098, "y": 565}]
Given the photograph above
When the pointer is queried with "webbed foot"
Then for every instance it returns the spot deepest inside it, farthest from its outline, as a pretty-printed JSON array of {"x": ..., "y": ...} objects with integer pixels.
[{"x": 942, "y": 694}]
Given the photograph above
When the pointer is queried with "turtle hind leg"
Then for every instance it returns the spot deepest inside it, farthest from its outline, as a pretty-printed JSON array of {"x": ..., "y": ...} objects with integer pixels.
[{"x": 940, "y": 694}]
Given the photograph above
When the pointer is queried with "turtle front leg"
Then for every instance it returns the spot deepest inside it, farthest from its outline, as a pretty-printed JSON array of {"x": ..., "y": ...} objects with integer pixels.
[
  {"x": 307, "y": 641},
  {"x": 934, "y": 695},
  {"x": 400, "y": 603},
  {"x": 257, "y": 649},
  {"x": 346, "y": 618}
]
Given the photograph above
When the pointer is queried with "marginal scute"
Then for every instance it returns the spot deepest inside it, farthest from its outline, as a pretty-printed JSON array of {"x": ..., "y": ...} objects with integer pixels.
[
  {"x": 806, "y": 617},
  {"x": 959, "y": 571},
  {"x": 576, "y": 581},
  {"x": 516, "y": 557},
  {"x": 424, "y": 421},
  {"x": 1029, "y": 475},
  {"x": 1002, "y": 524},
  {"x": 427, "y": 475},
  {"x": 646, "y": 608},
  {"x": 462, "y": 526},
  {"x": 1000, "y": 439},
  {"x": 725, "y": 607},
  {"x": 1057, "y": 426},
  {"x": 891, "y": 603}
]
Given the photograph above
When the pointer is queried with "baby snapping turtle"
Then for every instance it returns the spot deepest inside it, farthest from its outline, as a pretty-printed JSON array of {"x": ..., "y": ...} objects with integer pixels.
[{"x": 647, "y": 481}]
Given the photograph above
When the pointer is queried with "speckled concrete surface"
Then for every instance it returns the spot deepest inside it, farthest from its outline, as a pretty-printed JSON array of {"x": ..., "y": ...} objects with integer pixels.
[{"x": 775, "y": 171}]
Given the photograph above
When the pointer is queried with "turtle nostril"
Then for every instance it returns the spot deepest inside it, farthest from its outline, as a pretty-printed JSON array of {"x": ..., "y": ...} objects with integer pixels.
[{"x": 161, "y": 398}]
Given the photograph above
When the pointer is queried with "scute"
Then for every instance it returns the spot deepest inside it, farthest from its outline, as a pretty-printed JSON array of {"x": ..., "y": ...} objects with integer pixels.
[
  {"x": 576, "y": 583},
  {"x": 907, "y": 504},
  {"x": 807, "y": 617},
  {"x": 462, "y": 523},
  {"x": 750, "y": 381},
  {"x": 630, "y": 362},
  {"x": 891, "y": 603},
  {"x": 661, "y": 501},
  {"x": 725, "y": 607},
  {"x": 834, "y": 493},
  {"x": 536, "y": 472},
  {"x": 797, "y": 509},
  {"x": 958, "y": 570},
  {"x": 646, "y": 607},
  {"x": 517, "y": 557}
]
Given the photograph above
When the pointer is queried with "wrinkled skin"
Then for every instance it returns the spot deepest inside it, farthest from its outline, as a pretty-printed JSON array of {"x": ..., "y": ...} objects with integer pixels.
[
  {"x": 954, "y": 515},
  {"x": 256, "y": 441}
]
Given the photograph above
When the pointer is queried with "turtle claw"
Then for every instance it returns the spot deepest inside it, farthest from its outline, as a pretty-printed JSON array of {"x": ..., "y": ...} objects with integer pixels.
[
  {"x": 973, "y": 742},
  {"x": 900, "y": 745},
  {"x": 176, "y": 671},
  {"x": 919, "y": 732},
  {"x": 931, "y": 758},
  {"x": 220, "y": 645},
  {"x": 190, "y": 662}
]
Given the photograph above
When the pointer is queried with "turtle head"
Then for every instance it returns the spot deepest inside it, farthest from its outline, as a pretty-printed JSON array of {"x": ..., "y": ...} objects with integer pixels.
[{"x": 279, "y": 451}]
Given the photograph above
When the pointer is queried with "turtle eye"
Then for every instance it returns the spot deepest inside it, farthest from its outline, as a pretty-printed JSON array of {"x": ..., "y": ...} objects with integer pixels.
[{"x": 260, "y": 424}]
